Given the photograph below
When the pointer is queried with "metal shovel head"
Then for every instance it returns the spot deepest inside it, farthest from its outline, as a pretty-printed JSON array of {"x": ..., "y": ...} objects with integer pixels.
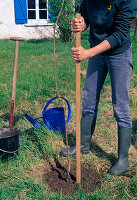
[{"x": 10, "y": 140}]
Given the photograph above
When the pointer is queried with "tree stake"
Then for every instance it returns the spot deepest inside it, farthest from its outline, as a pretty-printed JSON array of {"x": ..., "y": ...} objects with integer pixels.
[{"x": 78, "y": 138}]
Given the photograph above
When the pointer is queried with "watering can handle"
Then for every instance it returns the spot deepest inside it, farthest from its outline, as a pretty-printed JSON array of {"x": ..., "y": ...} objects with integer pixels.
[{"x": 69, "y": 108}]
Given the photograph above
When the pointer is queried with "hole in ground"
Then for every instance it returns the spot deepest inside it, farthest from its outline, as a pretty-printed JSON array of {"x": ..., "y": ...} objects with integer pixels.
[{"x": 55, "y": 177}]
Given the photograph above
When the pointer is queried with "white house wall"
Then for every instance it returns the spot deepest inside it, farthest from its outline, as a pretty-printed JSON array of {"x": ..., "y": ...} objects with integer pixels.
[{"x": 8, "y": 28}]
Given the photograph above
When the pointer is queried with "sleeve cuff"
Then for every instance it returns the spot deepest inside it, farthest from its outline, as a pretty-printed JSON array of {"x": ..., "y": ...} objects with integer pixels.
[{"x": 112, "y": 41}]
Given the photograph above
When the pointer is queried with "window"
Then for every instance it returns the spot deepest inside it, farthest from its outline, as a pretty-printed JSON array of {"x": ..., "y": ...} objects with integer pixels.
[
  {"x": 37, "y": 12},
  {"x": 32, "y": 12}
]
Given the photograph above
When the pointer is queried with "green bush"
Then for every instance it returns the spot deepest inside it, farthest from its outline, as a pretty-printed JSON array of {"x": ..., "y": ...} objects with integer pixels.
[{"x": 68, "y": 12}]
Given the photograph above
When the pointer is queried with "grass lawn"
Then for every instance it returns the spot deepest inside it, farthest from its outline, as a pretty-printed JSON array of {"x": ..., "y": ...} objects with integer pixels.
[{"x": 22, "y": 175}]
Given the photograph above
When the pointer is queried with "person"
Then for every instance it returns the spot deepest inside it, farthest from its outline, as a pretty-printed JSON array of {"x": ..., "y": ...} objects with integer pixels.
[{"x": 110, "y": 52}]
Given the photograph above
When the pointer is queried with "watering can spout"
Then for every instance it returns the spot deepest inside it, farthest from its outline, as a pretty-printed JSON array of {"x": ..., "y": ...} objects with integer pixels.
[{"x": 31, "y": 120}]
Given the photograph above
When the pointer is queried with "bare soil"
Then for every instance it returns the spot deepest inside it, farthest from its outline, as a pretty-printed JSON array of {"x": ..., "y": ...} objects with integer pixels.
[{"x": 56, "y": 178}]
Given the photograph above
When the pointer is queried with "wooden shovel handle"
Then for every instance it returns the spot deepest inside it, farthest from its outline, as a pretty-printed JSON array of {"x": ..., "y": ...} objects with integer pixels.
[
  {"x": 14, "y": 83},
  {"x": 78, "y": 138}
]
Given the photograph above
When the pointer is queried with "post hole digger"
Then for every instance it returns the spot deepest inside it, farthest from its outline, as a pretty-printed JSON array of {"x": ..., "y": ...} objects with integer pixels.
[{"x": 10, "y": 137}]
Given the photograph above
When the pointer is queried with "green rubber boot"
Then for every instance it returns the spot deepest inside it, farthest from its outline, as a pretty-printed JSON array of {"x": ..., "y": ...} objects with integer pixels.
[
  {"x": 87, "y": 129},
  {"x": 124, "y": 139}
]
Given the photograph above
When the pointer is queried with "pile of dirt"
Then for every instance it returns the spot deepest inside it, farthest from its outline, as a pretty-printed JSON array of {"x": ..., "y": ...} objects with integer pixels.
[{"x": 55, "y": 177}]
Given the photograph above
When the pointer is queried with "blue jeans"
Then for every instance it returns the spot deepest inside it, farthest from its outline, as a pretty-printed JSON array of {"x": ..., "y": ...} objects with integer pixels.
[{"x": 120, "y": 69}]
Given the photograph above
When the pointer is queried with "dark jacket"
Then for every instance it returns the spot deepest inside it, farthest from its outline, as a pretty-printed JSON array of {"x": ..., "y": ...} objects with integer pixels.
[{"x": 109, "y": 20}]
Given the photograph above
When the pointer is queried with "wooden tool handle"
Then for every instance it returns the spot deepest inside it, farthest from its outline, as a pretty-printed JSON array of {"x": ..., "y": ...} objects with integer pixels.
[
  {"x": 17, "y": 38},
  {"x": 15, "y": 70},
  {"x": 78, "y": 138},
  {"x": 14, "y": 83}
]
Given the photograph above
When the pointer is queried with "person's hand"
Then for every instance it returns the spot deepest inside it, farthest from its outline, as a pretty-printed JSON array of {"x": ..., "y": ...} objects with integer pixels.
[
  {"x": 78, "y": 24},
  {"x": 79, "y": 53}
]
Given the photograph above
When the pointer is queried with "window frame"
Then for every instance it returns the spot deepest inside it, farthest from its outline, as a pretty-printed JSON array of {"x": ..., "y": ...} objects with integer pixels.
[{"x": 37, "y": 21}]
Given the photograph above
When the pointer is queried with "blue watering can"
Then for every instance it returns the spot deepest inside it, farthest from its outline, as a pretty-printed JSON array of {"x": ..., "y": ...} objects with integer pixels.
[{"x": 53, "y": 118}]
